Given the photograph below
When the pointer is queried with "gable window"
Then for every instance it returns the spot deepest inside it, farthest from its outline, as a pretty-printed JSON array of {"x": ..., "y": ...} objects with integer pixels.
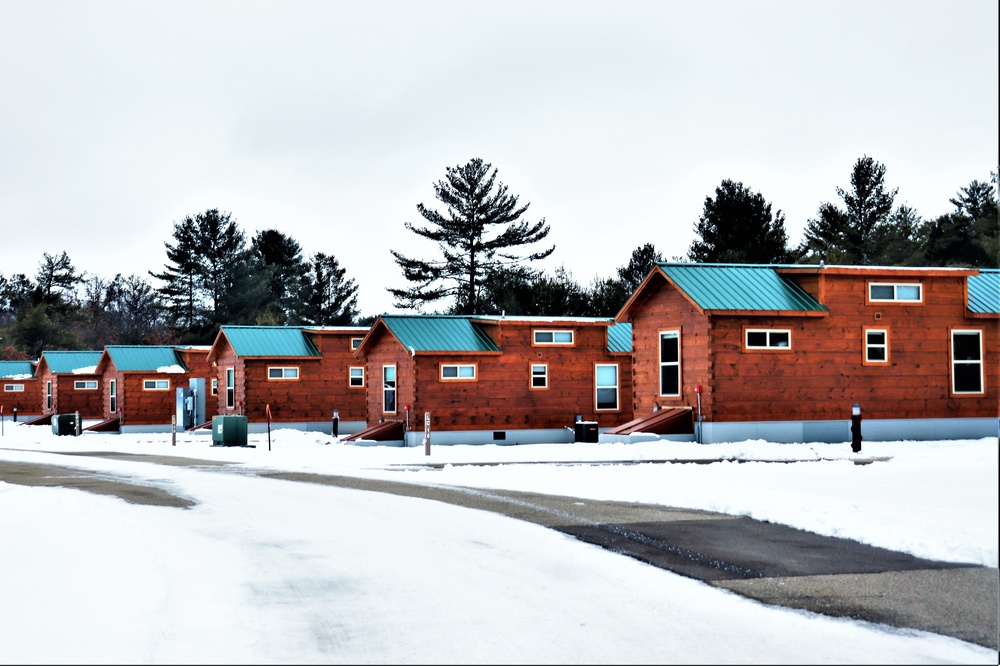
[
  {"x": 13, "y": 387},
  {"x": 355, "y": 343},
  {"x": 85, "y": 384},
  {"x": 553, "y": 337},
  {"x": 670, "y": 363},
  {"x": 215, "y": 386},
  {"x": 768, "y": 338},
  {"x": 48, "y": 394},
  {"x": 606, "y": 385},
  {"x": 389, "y": 389},
  {"x": 876, "y": 345},
  {"x": 895, "y": 292},
  {"x": 966, "y": 361},
  {"x": 156, "y": 384},
  {"x": 539, "y": 375},
  {"x": 230, "y": 387},
  {"x": 356, "y": 377},
  {"x": 454, "y": 371},
  {"x": 278, "y": 372}
]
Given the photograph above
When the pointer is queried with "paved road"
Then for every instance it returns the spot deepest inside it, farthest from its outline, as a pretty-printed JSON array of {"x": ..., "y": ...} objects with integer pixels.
[{"x": 768, "y": 562}]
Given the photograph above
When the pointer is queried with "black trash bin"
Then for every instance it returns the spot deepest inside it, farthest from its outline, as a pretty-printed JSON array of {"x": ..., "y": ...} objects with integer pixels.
[{"x": 586, "y": 431}]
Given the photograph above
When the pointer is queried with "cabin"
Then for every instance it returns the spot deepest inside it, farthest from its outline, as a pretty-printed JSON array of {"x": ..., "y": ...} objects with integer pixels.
[
  {"x": 297, "y": 377},
  {"x": 496, "y": 379},
  {"x": 70, "y": 383},
  {"x": 140, "y": 387},
  {"x": 786, "y": 353},
  {"x": 19, "y": 391}
]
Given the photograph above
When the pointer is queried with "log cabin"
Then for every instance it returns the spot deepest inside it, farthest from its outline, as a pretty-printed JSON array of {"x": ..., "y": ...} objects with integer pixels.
[
  {"x": 298, "y": 377},
  {"x": 496, "y": 379},
  {"x": 20, "y": 391},
  {"x": 787, "y": 353},
  {"x": 140, "y": 385},
  {"x": 69, "y": 383}
]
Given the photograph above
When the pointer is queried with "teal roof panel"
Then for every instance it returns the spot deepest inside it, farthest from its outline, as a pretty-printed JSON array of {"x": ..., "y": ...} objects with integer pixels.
[
  {"x": 740, "y": 287},
  {"x": 620, "y": 338},
  {"x": 439, "y": 333},
  {"x": 143, "y": 358},
  {"x": 62, "y": 362},
  {"x": 984, "y": 291},
  {"x": 269, "y": 341},
  {"x": 17, "y": 369}
]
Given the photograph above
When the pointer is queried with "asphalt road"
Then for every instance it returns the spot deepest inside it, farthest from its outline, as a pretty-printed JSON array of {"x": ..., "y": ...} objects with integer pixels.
[{"x": 771, "y": 563}]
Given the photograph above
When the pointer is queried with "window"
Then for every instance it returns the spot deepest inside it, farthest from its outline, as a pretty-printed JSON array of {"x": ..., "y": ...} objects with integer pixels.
[
  {"x": 113, "y": 396},
  {"x": 215, "y": 386},
  {"x": 760, "y": 338},
  {"x": 553, "y": 337},
  {"x": 458, "y": 371},
  {"x": 48, "y": 394},
  {"x": 85, "y": 384},
  {"x": 355, "y": 343},
  {"x": 606, "y": 384},
  {"x": 356, "y": 377},
  {"x": 13, "y": 387},
  {"x": 277, "y": 372},
  {"x": 876, "y": 345},
  {"x": 888, "y": 292},
  {"x": 966, "y": 361},
  {"x": 155, "y": 384},
  {"x": 230, "y": 387},
  {"x": 539, "y": 375},
  {"x": 389, "y": 389},
  {"x": 670, "y": 363}
]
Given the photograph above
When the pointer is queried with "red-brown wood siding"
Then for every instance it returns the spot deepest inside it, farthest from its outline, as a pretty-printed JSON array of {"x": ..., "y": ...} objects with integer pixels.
[
  {"x": 28, "y": 401},
  {"x": 68, "y": 400}
]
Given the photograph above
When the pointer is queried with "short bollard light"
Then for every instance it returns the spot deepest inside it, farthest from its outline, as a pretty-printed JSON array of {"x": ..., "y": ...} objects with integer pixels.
[{"x": 856, "y": 428}]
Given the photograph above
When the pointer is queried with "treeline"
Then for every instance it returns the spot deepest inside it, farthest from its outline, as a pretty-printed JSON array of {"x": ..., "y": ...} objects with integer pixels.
[{"x": 215, "y": 275}]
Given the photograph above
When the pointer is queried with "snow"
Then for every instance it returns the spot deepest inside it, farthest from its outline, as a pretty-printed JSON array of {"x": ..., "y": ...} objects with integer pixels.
[
  {"x": 85, "y": 370},
  {"x": 268, "y": 571},
  {"x": 171, "y": 368}
]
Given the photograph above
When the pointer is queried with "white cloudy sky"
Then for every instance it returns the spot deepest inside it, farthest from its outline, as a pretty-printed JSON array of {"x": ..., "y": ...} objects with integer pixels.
[{"x": 332, "y": 120}]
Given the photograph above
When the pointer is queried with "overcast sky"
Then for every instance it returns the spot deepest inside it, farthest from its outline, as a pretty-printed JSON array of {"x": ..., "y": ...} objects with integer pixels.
[{"x": 331, "y": 121}]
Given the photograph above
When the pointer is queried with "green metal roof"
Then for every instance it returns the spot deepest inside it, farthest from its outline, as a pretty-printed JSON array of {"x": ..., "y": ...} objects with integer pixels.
[
  {"x": 439, "y": 333},
  {"x": 17, "y": 369},
  {"x": 269, "y": 341},
  {"x": 61, "y": 362},
  {"x": 739, "y": 287},
  {"x": 143, "y": 358},
  {"x": 620, "y": 338},
  {"x": 984, "y": 291}
]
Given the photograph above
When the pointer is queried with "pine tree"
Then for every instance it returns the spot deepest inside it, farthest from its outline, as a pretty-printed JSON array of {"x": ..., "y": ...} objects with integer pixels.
[
  {"x": 326, "y": 298},
  {"x": 479, "y": 232},
  {"x": 737, "y": 227}
]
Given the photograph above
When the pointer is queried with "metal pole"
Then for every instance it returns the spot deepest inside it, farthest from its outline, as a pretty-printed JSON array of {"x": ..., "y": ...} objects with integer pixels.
[
  {"x": 699, "y": 417},
  {"x": 173, "y": 430},
  {"x": 427, "y": 433}
]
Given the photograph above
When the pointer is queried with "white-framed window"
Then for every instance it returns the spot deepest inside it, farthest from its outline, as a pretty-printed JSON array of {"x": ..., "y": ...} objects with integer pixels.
[
  {"x": 85, "y": 384},
  {"x": 155, "y": 384},
  {"x": 670, "y": 363},
  {"x": 113, "y": 395},
  {"x": 895, "y": 292},
  {"x": 458, "y": 371},
  {"x": 356, "y": 377},
  {"x": 539, "y": 376},
  {"x": 230, "y": 388},
  {"x": 876, "y": 345},
  {"x": 48, "y": 394},
  {"x": 13, "y": 387},
  {"x": 215, "y": 386},
  {"x": 966, "y": 361},
  {"x": 767, "y": 338},
  {"x": 553, "y": 337},
  {"x": 389, "y": 389},
  {"x": 355, "y": 343},
  {"x": 606, "y": 386},
  {"x": 282, "y": 372}
]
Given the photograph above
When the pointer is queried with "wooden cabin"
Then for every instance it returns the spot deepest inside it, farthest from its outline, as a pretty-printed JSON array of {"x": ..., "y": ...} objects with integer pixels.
[
  {"x": 20, "y": 391},
  {"x": 785, "y": 352},
  {"x": 304, "y": 377},
  {"x": 496, "y": 379},
  {"x": 140, "y": 384},
  {"x": 70, "y": 383}
]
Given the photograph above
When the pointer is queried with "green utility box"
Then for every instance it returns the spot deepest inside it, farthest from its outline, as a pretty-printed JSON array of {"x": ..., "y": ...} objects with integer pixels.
[
  {"x": 64, "y": 424},
  {"x": 229, "y": 431}
]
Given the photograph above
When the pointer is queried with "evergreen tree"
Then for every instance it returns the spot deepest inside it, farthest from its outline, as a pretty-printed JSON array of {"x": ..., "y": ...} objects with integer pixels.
[
  {"x": 737, "y": 227},
  {"x": 606, "y": 297},
  {"x": 480, "y": 232},
  {"x": 326, "y": 297},
  {"x": 282, "y": 255},
  {"x": 182, "y": 294},
  {"x": 900, "y": 238}
]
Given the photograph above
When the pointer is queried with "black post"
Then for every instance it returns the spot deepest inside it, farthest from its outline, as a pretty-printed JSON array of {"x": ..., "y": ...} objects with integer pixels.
[
  {"x": 856, "y": 428},
  {"x": 336, "y": 422},
  {"x": 15, "y": 415}
]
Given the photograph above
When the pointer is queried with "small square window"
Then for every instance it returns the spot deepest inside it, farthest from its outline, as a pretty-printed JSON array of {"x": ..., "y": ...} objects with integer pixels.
[{"x": 356, "y": 377}]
